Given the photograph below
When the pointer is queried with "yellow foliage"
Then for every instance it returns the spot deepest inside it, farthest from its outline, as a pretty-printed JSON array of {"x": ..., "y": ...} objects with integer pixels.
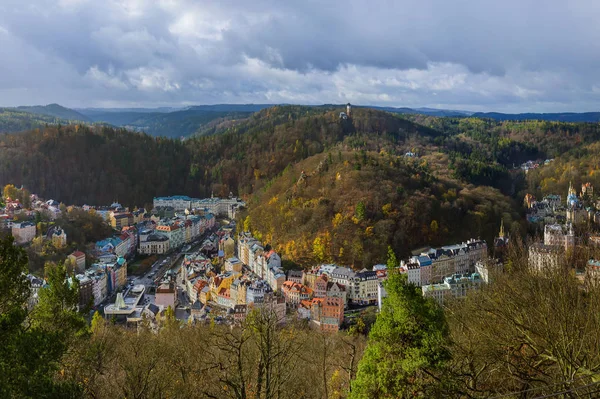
[
  {"x": 369, "y": 231},
  {"x": 337, "y": 220},
  {"x": 273, "y": 200}
]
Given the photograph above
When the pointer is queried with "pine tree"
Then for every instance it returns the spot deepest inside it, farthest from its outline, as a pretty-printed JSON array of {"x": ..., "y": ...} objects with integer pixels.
[{"x": 406, "y": 352}]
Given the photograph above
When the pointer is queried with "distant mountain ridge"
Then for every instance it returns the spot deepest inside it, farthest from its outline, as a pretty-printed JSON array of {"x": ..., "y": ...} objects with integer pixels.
[
  {"x": 558, "y": 117},
  {"x": 55, "y": 110},
  {"x": 205, "y": 119}
]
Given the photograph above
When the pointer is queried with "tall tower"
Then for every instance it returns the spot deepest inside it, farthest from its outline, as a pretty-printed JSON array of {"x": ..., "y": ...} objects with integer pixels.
[
  {"x": 348, "y": 109},
  {"x": 570, "y": 239},
  {"x": 501, "y": 235}
]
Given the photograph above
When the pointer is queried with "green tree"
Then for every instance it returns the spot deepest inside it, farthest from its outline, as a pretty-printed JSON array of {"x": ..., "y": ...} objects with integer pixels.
[
  {"x": 392, "y": 260},
  {"x": 406, "y": 352},
  {"x": 361, "y": 211},
  {"x": 30, "y": 354},
  {"x": 57, "y": 308}
]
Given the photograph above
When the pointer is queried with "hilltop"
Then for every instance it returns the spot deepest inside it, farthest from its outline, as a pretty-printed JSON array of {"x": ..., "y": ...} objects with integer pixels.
[{"x": 55, "y": 110}]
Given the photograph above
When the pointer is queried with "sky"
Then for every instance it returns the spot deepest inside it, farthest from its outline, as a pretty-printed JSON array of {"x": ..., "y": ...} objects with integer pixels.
[{"x": 478, "y": 55}]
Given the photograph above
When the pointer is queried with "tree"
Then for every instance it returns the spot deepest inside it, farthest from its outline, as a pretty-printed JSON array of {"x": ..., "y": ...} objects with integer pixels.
[
  {"x": 30, "y": 354},
  {"x": 406, "y": 351},
  {"x": 247, "y": 223},
  {"x": 57, "y": 311},
  {"x": 360, "y": 211},
  {"x": 10, "y": 191},
  {"x": 392, "y": 260}
]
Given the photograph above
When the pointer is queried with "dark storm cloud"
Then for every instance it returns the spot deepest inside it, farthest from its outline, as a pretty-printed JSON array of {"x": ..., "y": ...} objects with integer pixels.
[{"x": 513, "y": 55}]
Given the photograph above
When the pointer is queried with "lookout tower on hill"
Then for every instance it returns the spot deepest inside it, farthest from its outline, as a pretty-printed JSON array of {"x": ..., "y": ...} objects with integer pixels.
[{"x": 348, "y": 110}]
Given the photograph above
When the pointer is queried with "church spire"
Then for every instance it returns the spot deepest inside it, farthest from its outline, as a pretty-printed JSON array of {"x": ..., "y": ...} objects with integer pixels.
[
  {"x": 571, "y": 189},
  {"x": 501, "y": 235}
]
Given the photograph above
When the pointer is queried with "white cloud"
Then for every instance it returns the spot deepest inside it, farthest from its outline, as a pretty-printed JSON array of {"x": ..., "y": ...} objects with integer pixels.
[
  {"x": 509, "y": 56},
  {"x": 106, "y": 79}
]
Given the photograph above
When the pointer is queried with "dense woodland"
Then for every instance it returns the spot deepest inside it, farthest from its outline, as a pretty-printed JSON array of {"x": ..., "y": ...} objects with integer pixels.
[{"x": 360, "y": 192}]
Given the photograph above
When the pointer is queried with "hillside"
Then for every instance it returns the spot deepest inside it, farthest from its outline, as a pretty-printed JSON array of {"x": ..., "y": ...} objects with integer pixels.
[
  {"x": 461, "y": 176},
  {"x": 349, "y": 206},
  {"x": 556, "y": 117},
  {"x": 577, "y": 166},
  {"x": 94, "y": 165},
  {"x": 13, "y": 120},
  {"x": 55, "y": 110},
  {"x": 174, "y": 124}
]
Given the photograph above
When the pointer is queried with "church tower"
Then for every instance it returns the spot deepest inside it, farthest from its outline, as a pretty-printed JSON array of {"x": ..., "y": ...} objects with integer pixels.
[{"x": 501, "y": 234}]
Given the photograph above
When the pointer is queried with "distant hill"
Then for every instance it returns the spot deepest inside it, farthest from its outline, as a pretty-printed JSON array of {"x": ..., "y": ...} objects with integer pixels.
[
  {"x": 55, "y": 110},
  {"x": 558, "y": 117},
  {"x": 425, "y": 111},
  {"x": 13, "y": 120},
  {"x": 181, "y": 123}
]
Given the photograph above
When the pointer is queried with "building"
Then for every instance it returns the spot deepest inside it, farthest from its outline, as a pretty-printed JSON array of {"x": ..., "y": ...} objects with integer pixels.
[
  {"x": 217, "y": 206},
  {"x": 166, "y": 295},
  {"x": 297, "y": 276},
  {"x": 336, "y": 290},
  {"x": 59, "y": 238},
  {"x": 174, "y": 232},
  {"x": 78, "y": 259},
  {"x": 86, "y": 296},
  {"x": 381, "y": 293},
  {"x": 118, "y": 220},
  {"x": 120, "y": 268},
  {"x": 23, "y": 232},
  {"x": 437, "y": 263},
  {"x": 35, "y": 284},
  {"x": 239, "y": 313},
  {"x": 99, "y": 279},
  {"x": 545, "y": 257},
  {"x": 233, "y": 265},
  {"x": 294, "y": 293},
  {"x": 414, "y": 274},
  {"x": 556, "y": 235},
  {"x": 320, "y": 287},
  {"x": 455, "y": 286},
  {"x": 587, "y": 190},
  {"x": 154, "y": 244},
  {"x": 361, "y": 287},
  {"x": 327, "y": 313},
  {"x": 486, "y": 270},
  {"x": 177, "y": 202},
  {"x": 262, "y": 261}
]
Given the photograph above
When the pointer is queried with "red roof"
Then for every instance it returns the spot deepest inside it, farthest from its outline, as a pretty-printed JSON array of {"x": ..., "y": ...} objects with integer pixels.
[{"x": 78, "y": 254}]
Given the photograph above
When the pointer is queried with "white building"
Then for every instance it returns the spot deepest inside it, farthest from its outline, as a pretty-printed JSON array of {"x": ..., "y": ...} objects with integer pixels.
[
  {"x": 456, "y": 286},
  {"x": 154, "y": 244},
  {"x": 361, "y": 287}
]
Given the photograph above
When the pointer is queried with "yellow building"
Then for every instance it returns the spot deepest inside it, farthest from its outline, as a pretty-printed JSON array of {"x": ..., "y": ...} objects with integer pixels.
[
  {"x": 121, "y": 272},
  {"x": 59, "y": 238}
]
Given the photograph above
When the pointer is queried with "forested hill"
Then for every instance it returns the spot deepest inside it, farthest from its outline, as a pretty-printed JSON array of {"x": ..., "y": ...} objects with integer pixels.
[
  {"x": 13, "y": 120},
  {"x": 557, "y": 117},
  {"x": 82, "y": 164},
  {"x": 94, "y": 165},
  {"x": 55, "y": 110}
]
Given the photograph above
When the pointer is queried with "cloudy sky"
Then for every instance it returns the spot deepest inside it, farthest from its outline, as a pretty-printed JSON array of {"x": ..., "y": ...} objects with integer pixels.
[{"x": 510, "y": 55}]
